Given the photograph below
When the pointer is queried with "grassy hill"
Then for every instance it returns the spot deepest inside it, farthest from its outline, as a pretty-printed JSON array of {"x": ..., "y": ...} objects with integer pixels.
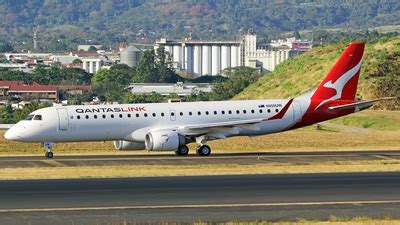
[{"x": 380, "y": 74}]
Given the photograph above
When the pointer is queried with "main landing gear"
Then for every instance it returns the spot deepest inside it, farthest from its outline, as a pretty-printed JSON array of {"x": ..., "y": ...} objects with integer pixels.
[
  {"x": 182, "y": 150},
  {"x": 49, "y": 146},
  {"x": 202, "y": 150}
]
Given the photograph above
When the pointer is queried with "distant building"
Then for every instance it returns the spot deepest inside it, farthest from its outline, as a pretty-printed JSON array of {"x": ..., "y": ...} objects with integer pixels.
[
  {"x": 131, "y": 56},
  {"x": 201, "y": 58},
  {"x": 21, "y": 91},
  {"x": 87, "y": 47},
  {"x": 180, "y": 89}
]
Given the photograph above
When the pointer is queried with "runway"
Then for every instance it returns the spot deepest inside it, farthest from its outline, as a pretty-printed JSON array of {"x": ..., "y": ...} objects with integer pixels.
[
  {"x": 219, "y": 158},
  {"x": 201, "y": 198}
]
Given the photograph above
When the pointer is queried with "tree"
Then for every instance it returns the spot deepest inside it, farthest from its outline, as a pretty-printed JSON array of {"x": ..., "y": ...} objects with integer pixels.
[
  {"x": 238, "y": 80},
  {"x": 92, "y": 49},
  {"x": 112, "y": 83},
  {"x": 146, "y": 71},
  {"x": 77, "y": 61}
]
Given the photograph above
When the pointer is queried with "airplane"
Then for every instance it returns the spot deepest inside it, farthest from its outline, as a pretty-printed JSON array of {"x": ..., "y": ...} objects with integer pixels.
[{"x": 171, "y": 126}]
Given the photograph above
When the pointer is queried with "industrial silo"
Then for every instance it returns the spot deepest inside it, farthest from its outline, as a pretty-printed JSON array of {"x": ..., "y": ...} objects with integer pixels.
[
  {"x": 131, "y": 56},
  {"x": 225, "y": 57},
  {"x": 176, "y": 56},
  {"x": 206, "y": 60},
  {"x": 189, "y": 58},
  {"x": 216, "y": 59},
  {"x": 234, "y": 56},
  {"x": 197, "y": 60}
]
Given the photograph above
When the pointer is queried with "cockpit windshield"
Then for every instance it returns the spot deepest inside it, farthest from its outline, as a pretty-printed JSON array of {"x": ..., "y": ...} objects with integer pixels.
[
  {"x": 37, "y": 117},
  {"x": 29, "y": 117}
]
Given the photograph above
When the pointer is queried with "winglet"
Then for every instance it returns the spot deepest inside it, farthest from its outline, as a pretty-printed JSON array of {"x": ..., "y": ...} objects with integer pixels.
[{"x": 281, "y": 113}]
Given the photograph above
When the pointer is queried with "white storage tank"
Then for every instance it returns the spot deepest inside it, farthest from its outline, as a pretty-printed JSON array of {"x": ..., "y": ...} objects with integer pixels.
[
  {"x": 225, "y": 57},
  {"x": 189, "y": 59},
  {"x": 176, "y": 56},
  {"x": 234, "y": 56},
  {"x": 206, "y": 60},
  {"x": 169, "y": 49},
  {"x": 131, "y": 56},
  {"x": 197, "y": 60},
  {"x": 216, "y": 60}
]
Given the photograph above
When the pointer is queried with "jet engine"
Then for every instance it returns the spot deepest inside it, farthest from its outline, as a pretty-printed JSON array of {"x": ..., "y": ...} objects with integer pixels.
[
  {"x": 128, "y": 145},
  {"x": 164, "y": 140}
]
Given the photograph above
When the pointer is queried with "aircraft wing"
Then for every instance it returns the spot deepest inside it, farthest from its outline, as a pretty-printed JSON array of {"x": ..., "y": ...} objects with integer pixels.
[
  {"x": 360, "y": 105},
  {"x": 219, "y": 130}
]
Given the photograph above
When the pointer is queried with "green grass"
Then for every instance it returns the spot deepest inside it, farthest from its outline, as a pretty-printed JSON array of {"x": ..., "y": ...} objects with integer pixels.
[
  {"x": 373, "y": 119},
  {"x": 305, "y": 72}
]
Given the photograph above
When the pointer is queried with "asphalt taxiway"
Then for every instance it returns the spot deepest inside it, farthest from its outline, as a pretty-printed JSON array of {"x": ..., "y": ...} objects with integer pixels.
[
  {"x": 199, "y": 198},
  {"x": 192, "y": 159}
]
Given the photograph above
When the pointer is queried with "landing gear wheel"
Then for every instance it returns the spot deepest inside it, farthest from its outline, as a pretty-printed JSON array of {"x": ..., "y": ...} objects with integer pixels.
[
  {"x": 49, "y": 155},
  {"x": 204, "y": 150},
  {"x": 182, "y": 150}
]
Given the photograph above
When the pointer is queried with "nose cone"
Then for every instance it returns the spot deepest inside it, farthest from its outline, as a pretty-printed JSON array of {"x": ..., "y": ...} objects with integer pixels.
[{"x": 12, "y": 135}]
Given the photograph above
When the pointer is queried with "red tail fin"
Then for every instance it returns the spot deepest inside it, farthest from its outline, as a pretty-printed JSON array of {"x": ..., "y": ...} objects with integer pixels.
[{"x": 341, "y": 82}]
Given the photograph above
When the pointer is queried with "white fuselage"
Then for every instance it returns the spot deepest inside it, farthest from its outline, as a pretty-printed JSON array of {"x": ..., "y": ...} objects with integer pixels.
[{"x": 131, "y": 122}]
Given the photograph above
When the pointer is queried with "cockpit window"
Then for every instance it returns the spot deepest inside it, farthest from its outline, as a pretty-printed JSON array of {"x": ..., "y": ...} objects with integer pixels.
[
  {"x": 29, "y": 117},
  {"x": 37, "y": 117}
]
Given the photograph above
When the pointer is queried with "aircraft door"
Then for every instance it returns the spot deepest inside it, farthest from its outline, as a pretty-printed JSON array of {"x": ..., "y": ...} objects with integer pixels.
[
  {"x": 63, "y": 122},
  {"x": 296, "y": 111},
  {"x": 173, "y": 115}
]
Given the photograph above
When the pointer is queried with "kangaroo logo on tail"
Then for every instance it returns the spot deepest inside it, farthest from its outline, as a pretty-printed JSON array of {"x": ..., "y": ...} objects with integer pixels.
[{"x": 339, "y": 84}]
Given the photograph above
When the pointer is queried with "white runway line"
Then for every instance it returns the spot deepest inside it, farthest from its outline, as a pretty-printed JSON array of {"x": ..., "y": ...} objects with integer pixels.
[{"x": 200, "y": 206}]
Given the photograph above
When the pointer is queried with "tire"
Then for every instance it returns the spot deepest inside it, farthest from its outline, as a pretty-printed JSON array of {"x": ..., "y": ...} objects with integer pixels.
[
  {"x": 49, "y": 155},
  {"x": 182, "y": 150},
  {"x": 204, "y": 150}
]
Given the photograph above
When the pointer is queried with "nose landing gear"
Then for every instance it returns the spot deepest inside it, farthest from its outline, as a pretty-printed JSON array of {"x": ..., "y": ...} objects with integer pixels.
[{"x": 49, "y": 146}]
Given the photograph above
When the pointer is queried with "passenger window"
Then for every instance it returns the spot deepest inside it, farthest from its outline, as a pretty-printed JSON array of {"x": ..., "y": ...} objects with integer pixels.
[
  {"x": 154, "y": 115},
  {"x": 112, "y": 115},
  {"x": 87, "y": 116},
  {"x": 276, "y": 110},
  {"x": 223, "y": 112},
  {"x": 215, "y": 112},
  {"x": 38, "y": 117},
  {"x": 137, "y": 114},
  {"x": 129, "y": 115},
  {"x": 237, "y": 111},
  {"x": 120, "y": 115},
  {"x": 95, "y": 116},
  {"x": 172, "y": 114},
  {"x": 181, "y": 113},
  {"x": 29, "y": 117},
  {"x": 252, "y": 111},
  {"x": 78, "y": 117},
  {"x": 162, "y": 114},
  {"x": 72, "y": 117},
  {"x": 268, "y": 110},
  {"x": 230, "y": 111},
  {"x": 199, "y": 113},
  {"x": 190, "y": 113},
  {"x": 207, "y": 113},
  {"x": 260, "y": 110},
  {"x": 145, "y": 115},
  {"x": 244, "y": 111},
  {"x": 104, "y": 116}
]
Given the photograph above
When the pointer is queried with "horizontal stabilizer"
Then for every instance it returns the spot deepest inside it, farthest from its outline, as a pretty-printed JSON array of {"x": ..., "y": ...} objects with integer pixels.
[{"x": 359, "y": 105}]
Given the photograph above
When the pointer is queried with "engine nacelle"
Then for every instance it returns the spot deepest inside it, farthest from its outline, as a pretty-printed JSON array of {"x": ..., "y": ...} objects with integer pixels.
[
  {"x": 128, "y": 145},
  {"x": 164, "y": 140}
]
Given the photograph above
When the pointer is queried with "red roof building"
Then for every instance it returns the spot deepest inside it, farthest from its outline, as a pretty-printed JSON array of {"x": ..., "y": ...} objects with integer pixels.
[{"x": 20, "y": 90}]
